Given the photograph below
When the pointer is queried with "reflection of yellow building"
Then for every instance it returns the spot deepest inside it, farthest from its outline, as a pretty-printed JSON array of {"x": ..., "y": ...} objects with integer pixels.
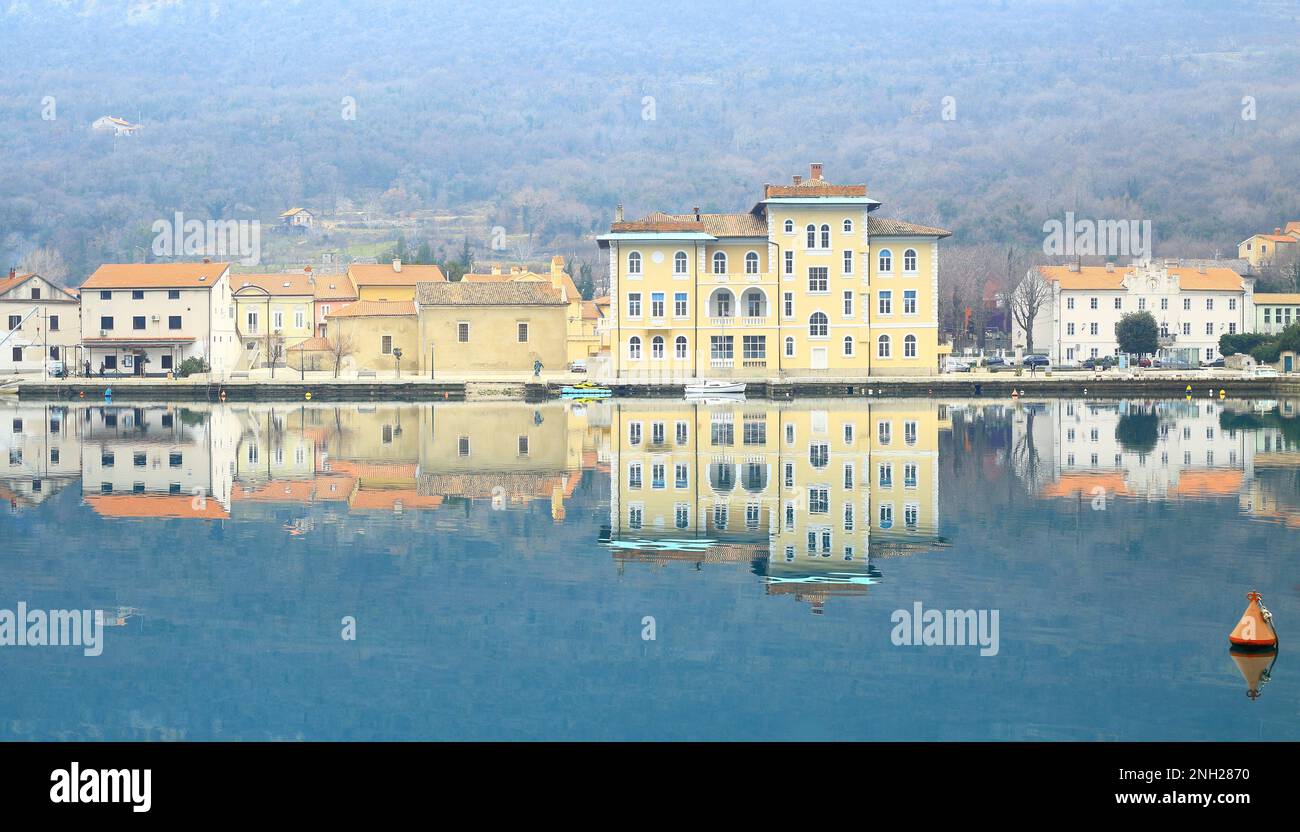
[
  {"x": 807, "y": 282},
  {"x": 816, "y": 490}
]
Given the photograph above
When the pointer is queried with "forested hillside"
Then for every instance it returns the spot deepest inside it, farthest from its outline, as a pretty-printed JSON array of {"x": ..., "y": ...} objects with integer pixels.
[{"x": 540, "y": 117}]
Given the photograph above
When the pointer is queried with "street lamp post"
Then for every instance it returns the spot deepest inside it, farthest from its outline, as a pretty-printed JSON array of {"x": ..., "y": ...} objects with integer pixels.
[{"x": 397, "y": 356}]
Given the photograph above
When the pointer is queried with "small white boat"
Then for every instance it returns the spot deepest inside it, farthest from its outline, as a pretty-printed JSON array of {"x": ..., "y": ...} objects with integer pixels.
[{"x": 715, "y": 387}]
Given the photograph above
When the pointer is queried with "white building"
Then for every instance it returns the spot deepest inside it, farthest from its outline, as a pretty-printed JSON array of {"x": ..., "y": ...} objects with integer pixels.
[
  {"x": 40, "y": 326},
  {"x": 1192, "y": 306},
  {"x": 146, "y": 318}
]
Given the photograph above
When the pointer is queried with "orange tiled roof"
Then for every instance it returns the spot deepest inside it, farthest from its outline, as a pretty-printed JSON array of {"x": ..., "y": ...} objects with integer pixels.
[
  {"x": 375, "y": 309},
  {"x": 1103, "y": 279},
  {"x": 10, "y": 282},
  {"x": 591, "y": 311},
  {"x": 1266, "y": 298},
  {"x": 311, "y": 345},
  {"x": 383, "y": 274},
  {"x": 885, "y": 227},
  {"x": 566, "y": 280},
  {"x": 335, "y": 287},
  {"x": 155, "y": 276},
  {"x": 155, "y": 505},
  {"x": 274, "y": 284}
]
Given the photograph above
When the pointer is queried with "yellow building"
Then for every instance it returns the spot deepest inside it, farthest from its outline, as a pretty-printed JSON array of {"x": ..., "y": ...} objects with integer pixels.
[
  {"x": 492, "y": 327},
  {"x": 582, "y": 317},
  {"x": 1263, "y": 249},
  {"x": 391, "y": 282},
  {"x": 815, "y": 491},
  {"x": 374, "y": 336},
  {"x": 807, "y": 283},
  {"x": 274, "y": 314}
]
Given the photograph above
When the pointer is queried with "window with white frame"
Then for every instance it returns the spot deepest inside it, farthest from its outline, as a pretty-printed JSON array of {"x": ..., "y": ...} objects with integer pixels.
[
  {"x": 818, "y": 325},
  {"x": 818, "y": 279},
  {"x": 882, "y": 346},
  {"x": 751, "y": 262},
  {"x": 680, "y": 263},
  {"x": 679, "y": 347},
  {"x": 634, "y": 263},
  {"x": 720, "y": 262},
  {"x": 909, "y": 261},
  {"x": 885, "y": 260}
]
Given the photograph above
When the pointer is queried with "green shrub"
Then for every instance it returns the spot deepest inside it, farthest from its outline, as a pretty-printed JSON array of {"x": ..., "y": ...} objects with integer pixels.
[{"x": 191, "y": 366}]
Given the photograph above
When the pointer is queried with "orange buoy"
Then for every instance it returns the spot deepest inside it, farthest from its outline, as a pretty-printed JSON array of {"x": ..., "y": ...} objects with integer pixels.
[
  {"x": 1255, "y": 629},
  {"x": 1255, "y": 666}
]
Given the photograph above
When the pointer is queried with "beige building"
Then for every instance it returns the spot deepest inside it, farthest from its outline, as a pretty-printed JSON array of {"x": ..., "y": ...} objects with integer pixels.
[
  {"x": 40, "y": 325},
  {"x": 147, "y": 318},
  {"x": 581, "y": 317},
  {"x": 373, "y": 336},
  {"x": 1282, "y": 246},
  {"x": 468, "y": 327},
  {"x": 274, "y": 314}
]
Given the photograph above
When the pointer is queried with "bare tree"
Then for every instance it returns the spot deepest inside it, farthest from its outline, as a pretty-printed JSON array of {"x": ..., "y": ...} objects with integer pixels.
[
  {"x": 341, "y": 346},
  {"x": 48, "y": 263},
  {"x": 1030, "y": 295}
]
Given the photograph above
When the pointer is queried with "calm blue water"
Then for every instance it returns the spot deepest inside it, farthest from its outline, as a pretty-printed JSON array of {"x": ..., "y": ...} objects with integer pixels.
[{"x": 500, "y": 561}]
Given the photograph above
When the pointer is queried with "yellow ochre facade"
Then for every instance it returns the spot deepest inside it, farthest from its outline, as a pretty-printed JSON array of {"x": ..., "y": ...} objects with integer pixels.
[{"x": 807, "y": 284}]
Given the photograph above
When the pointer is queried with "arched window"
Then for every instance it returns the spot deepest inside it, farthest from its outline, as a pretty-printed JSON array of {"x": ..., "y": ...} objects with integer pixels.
[
  {"x": 634, "y": 262},
  {"x": 817, "y": 325},
  {"x": 882, "y": 346},
  {"x": 848, "y": 346},
  {"x": 886, "y": 260},
  {"x": 657, "y": 347},
  {"x": 720, "y": 304},
  {"x": 909, "y": 346},
  {"x": 826, "y": 236},
  {"x": 789, "y": 347},
  {"x": 680, "y": 262},
  {"x": 755, "y": 304},
  {"x": 909, "y": 260},
  {"x": 720, "y": 263},
  {"x": 751, "y": 262},
  {"x": 848, "y": 226},
  {"x": 634, "y": 347},
  {"x": 789, "y": 226},
  {"x": 679, "y": 347},
  {"x": 812, "y": 235}
]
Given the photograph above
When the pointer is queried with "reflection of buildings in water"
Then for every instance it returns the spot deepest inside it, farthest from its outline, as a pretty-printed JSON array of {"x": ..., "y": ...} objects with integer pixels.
[
  {"x": 195, "y": 461},
  {"x": 811, "y": 493},
  {"x": 39, "y": 448},
  {"x": 395, "y": 458},
  {"x": 1157, "y": 451},
  {"x": 156, "y": 461}
]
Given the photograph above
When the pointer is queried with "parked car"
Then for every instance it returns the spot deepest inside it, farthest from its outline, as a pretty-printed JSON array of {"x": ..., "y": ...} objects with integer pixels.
[
  {"x": 995, "y": 363},
  {"x": 55, "y": 367},
  {"x": 578, "y": 366},
  {"x": 1216, "y": 363},
  {"x": 1102, "y": 362},
  {"x": 955, "y": 365},
  {"x": 1036, "y": 362}
]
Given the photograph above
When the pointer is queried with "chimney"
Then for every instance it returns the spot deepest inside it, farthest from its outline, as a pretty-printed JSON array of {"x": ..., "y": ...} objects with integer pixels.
[
  {"x": 1073, "y": 265},
  {"x": 207, "y": 259},
  {"x": 797, "y": 179},
  {"x": 815, "y": 170},
  {"x": 618, "y": 213},
  {"x": 13, "y": 272},
  {"x": 697, "y": 213},
  {"x": 1277, "y": 232},
  {"x": 397, "y": 264},
  {"x": 1110, "y": 266}
]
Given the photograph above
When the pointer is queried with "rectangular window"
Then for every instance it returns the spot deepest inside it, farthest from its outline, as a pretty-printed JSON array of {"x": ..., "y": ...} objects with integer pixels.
[
  {"x": 1187, "y": 304},
  {"x": 819, "y": 501},
  {"x": 909, "y": 302},
  {"x": 680, "y": 434},
  {"x": 386, "y": 344},
  {"x": 848, "y": 262},
  {"x": 848, "y": 304},
  {"x": 721, "y": 347},
  {"x": 173, "y": 321},
  {"x": 137, "y": 294},
  {"x": 681, "y": 476},
  {"x": 634, "y": 305},
  {"x": 679, "y": 305},
  {"x": 54, "y": 323},
  {"x": 1209, "y": 304},
  {"x": 105, "y": 295},
  {"x": 137, "y": 322},
  {"x": 14, "y": 321},
  {"x": 173, "y": 294},
  {"x": 16, "y": 353},
  {"x": 277, "y": 320},
  {"x": 1092, "y": 303},
  {"x": 106, "y": 322},
  {"x": 818, "y": 279},
  {"x": 521, "y": 332},
  {"x": 166, "y": 362},
  {"x": 755, "y": 346},
  {"x": 885, "y": 302},
  {"x": 1069, "y": 329},
  {"x": 1119, "y": 303},
  {"x": 656, "y": 304},
  {"x": 1069, "y": 303},
  {"x": 789, "y": 262},
  {"x": 462, "y": 332},
  {"x": 787, "y": 305}
]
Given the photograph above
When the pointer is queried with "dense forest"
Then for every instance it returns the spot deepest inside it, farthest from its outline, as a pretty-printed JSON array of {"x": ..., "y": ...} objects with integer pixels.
[{"x": 984, "y": 117}]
